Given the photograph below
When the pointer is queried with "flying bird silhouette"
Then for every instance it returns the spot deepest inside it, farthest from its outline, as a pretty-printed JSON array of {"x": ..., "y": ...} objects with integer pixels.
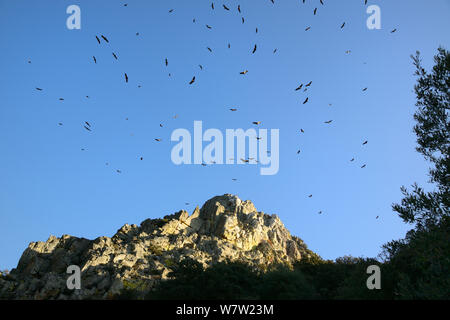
[
  {"x": 98, "y": 40},
  {"x": 226, "y": 8},
  {"x": 306, "y": 100},
  {"x": 126, "y": 78},
  {"x": 244, "y": 72},
  {"x": 104, "y": 38},
  {"x": 328, "y": 122},
  {"x": 256, "y": 122},
  {"x": 95, "y": 60},
  {"x": 192, "y": 81},
  {"x": 254, "y": 49},
  {"x": 114, "y": 55}
]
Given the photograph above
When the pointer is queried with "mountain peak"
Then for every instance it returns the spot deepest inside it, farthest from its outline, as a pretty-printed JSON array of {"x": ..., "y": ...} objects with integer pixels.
[{"x": 225, "y": 228}]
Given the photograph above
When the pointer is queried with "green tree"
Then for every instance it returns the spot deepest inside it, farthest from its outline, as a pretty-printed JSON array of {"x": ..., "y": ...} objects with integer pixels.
[
  {"x": 433, "y": 130},
  {"x": 281, "y": 283},
  {"x": 223, "y": 280},
  {"x": 420, "y": 263}
]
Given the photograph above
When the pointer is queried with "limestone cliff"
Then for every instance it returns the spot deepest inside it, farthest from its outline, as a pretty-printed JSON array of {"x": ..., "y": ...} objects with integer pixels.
[{"x": 224, "y": 228}]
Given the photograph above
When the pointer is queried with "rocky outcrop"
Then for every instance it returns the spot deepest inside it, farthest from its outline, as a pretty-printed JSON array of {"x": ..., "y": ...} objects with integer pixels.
[{"x": 225, "y": 228}]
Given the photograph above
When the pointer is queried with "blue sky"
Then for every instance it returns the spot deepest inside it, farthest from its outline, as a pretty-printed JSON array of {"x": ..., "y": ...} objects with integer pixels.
[{"x": 48, "y": 185}]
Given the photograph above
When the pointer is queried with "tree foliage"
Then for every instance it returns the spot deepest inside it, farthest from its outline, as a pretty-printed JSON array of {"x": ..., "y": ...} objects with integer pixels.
[
  {"x": 433, "y": 132},
  {"x": 421, "y": 261}
]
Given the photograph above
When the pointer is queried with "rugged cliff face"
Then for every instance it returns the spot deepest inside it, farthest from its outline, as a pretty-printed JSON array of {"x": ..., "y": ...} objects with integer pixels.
[{"x": 224, "y": 228}]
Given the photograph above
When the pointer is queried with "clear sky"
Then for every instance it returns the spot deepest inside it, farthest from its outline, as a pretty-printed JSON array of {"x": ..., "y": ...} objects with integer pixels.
[{"x": 49, "y": 185}]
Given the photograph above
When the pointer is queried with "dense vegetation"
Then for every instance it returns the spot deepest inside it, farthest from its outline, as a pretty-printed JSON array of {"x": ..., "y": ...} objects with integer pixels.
[
  {"x": 416, "y": 267},
  {"x": 345, "y": 278},
  {"x": 420, "y": 262}
]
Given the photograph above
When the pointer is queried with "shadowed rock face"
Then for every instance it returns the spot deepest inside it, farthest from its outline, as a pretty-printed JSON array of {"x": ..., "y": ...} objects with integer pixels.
[{"x": 224, "y": 228}]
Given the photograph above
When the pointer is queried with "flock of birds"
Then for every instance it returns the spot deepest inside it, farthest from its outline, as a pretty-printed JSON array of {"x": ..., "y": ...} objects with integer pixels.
[{"x": 302, "y": 86}]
